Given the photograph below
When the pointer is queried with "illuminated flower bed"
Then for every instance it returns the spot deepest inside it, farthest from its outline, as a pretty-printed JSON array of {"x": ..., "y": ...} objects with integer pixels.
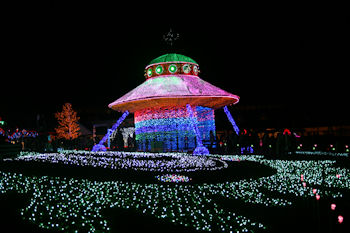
[
  {"x": 70, "y": 204},
  {"x": 138, "y": 161},
  {"x": 173, "y": 178}
]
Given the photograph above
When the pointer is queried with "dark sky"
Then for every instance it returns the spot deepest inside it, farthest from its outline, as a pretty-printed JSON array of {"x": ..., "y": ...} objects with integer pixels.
[{"x": 90, "y": 55}]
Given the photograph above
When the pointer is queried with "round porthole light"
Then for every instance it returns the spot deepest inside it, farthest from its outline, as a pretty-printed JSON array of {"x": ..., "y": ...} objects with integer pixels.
[
  {"x": 172, "y": 68},
  {"x": 159, "y": 69},
  {"x": 195, "y": 69},
  {"x": 149, "y": 72},
  {"x": 186, "y": 68}
]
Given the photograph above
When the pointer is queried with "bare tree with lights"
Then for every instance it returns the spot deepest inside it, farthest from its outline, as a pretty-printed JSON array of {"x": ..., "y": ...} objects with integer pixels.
[{"x": 68, "y": 127}]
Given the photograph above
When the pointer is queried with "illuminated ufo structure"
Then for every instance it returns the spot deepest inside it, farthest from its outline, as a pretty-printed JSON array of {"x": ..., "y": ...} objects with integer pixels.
[{"x": 174, "y": 108}]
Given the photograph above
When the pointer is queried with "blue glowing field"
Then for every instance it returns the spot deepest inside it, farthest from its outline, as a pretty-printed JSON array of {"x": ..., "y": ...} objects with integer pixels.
[{"x": 172, "y": 192}]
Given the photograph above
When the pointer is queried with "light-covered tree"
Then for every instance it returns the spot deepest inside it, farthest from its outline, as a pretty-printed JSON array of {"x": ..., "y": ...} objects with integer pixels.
[{"x": 68, "y": 127}]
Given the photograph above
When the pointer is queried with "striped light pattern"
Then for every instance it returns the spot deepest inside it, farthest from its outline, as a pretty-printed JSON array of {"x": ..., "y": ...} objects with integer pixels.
[{"x": 172, "y": 127}]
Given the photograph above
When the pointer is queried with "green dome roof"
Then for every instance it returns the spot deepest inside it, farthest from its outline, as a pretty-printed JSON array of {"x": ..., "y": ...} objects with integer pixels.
[{"x": 171, "y": 57}]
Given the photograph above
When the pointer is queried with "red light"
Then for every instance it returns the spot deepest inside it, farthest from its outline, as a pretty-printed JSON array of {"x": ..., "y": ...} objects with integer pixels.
[
  {"x": 340, "y": 219},
  {"x": 314, "y": 191},
  {"x": 318, "y": 197},
  {"x": 287, "y": 131},
  {"x": 338, "y": 175},
  {"x": 333, "y": 206}
]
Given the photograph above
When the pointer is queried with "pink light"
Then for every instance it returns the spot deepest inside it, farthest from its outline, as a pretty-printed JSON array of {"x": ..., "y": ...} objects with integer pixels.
[
  {"x": 333, "y": 206},
  {"x": 161, "y": 113},
  {"x": 314, "y": 191},
  {"x": 302, "y": 177},
  {"x": 338, "y": 176},
  {"x": 318, "y": 197},
  {"x": 304, "y": 184},
  {"x": 170, "y": 90},
  {"x": 340, "y": 219}
]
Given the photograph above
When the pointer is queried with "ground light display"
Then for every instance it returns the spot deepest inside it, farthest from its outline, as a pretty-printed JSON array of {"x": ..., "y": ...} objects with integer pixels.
[
  {"x": 174, "y": 108},
  {"x": 182, "y": 191}
]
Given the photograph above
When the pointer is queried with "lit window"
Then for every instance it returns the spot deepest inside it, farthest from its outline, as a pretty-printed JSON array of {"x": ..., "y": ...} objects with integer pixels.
[
  {"x": 149, "y": 72},
  {"x": 172, "y": 68},
  {"x": 195, "y": 70},
  {"x": 159, "y": 69},
  {"x": 186, "y": 68}
]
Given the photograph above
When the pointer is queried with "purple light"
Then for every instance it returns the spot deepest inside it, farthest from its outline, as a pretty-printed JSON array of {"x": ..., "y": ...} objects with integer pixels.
[
  {"x": 173, "y": 90},
  {"x": 200, "y": 149},
  {"x": 100, "y": 146},
  {"x": 230, "y": 118},
  {"x": 170, "y": 128},
  {"x": 18, "y": 134}
]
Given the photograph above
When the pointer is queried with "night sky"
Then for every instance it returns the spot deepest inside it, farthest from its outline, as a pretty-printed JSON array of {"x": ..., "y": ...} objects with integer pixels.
[{"x": 91, "y": 55}]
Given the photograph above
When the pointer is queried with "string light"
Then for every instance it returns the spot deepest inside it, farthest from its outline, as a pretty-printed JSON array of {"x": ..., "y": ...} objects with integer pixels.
[
  {"x": 200, "y": 149},
  {"x": 139, "y": 161},
  {"x": 18, "y": 134},
  {"x": 173, "y": 178},
  {"x": 230, "y": 118},
  {"x": 172, "y": 126},
  {"x": 326, "y": 153},
  {"x": 69, "y": 204},
  {"x": 100, "y": 146}
]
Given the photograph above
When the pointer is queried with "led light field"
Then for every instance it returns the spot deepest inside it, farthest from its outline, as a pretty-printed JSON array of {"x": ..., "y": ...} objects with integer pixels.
[{"x": 244, "y": 193}]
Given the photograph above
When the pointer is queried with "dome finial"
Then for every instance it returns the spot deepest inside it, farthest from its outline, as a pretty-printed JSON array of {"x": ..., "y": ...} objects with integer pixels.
[{"x": 170, "y": 37}]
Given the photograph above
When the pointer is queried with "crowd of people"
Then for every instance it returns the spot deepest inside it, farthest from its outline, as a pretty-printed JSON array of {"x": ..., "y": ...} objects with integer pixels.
[
  {"x": 270, "y": 143},
  {"x": 276, "y": 143},
  {"x": 250, "y": 142}
]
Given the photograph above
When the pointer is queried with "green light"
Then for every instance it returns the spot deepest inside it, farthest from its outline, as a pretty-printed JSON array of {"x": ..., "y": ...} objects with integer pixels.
[
  {"x": 149, "y": 72},
  {"x": 172, "y": 68},
  {"x": 159, "y": 69},
  {"x": 75, "y": 205}
]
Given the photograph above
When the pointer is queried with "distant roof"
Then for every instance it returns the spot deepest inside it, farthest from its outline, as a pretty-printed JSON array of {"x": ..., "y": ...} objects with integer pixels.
[{"x": 172, "y": 57}]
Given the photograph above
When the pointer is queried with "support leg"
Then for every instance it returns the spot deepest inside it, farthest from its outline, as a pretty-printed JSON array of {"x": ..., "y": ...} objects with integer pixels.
[
  {"x": 100, "y": 146},
  {"x": 200, "y": 149},
  {"x": 230, "y": 118}
]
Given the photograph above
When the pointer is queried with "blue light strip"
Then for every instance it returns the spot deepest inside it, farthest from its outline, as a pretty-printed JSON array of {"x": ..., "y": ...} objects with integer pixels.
[
  {"x": 171, "y": 129},
  {"x": 230, "y": 118},
  {"x": 200, "y": 149},
  {"x": 165, "y": 124},
  {"x": 100, "y": 146},
  {"x": 174, "y": 133}
]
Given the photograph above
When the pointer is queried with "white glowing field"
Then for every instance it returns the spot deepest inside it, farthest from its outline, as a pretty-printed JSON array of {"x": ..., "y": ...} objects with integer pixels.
[{"x": 71, "y": 204}]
